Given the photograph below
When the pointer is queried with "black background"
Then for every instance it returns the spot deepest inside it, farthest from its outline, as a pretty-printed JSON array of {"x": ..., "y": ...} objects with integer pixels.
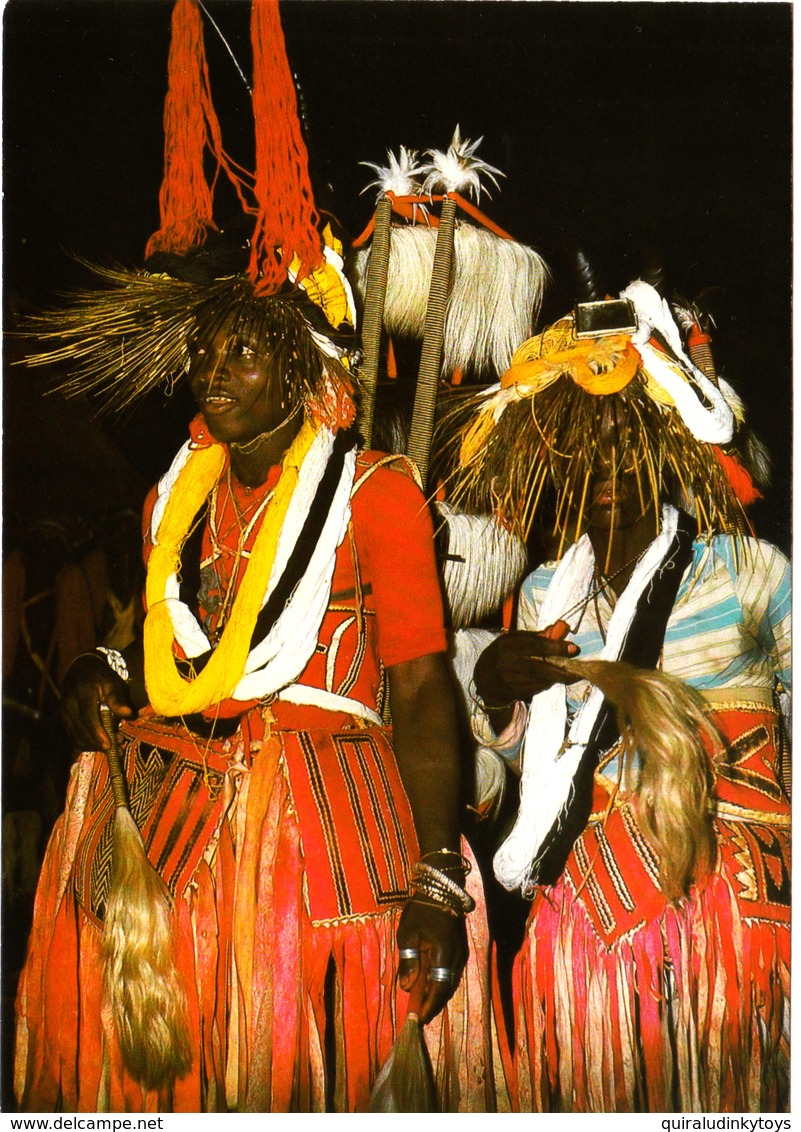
[{"x": 621, "y": 126}]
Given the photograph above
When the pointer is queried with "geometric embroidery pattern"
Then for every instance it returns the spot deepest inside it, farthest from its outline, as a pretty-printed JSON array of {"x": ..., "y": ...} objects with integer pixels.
[
  {"x": 762, "y": 854},
  {"x": 741, "y": 752},
  {"x": 617, "y": 872},
  {"x": 616, "y": 869},
  {"x": 355, "y": 821},
  {"x": 175, "y": 799}
]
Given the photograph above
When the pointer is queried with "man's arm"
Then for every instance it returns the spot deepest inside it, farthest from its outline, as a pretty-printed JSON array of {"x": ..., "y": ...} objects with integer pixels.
[{"x": 425, "y": 740}]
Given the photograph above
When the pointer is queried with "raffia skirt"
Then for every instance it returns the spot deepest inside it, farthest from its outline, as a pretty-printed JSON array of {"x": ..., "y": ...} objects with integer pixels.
[
  {"x": 288, "y": 850},
  {"x": 624, "y": 1003}
]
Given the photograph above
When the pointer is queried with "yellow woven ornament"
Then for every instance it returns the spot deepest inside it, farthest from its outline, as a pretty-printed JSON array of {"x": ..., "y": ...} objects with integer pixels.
[{"x": 599, "y": 365}]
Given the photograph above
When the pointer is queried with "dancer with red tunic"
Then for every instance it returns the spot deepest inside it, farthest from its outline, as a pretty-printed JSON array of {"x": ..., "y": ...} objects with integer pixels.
[
  {"x": 284, "y": 815},
  {"x": 280, "y": 730}
]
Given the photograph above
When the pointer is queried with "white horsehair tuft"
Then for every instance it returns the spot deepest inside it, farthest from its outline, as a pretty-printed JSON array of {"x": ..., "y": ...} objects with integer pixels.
[
  {"x": 458, "y": 169},
  {"x": 497, "y": 293}
]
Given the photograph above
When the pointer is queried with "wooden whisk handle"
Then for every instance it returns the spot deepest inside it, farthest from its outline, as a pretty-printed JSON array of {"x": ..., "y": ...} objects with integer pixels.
[{"x": 116, "y": 773}]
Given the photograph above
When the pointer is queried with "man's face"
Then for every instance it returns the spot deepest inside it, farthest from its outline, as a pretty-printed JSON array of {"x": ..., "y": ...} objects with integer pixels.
[
  {"x": 620, "y": 490},
  {"x": 235, "y": 384}
]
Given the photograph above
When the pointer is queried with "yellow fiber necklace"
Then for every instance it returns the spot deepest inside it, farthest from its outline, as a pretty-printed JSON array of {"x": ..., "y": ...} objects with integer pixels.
[{"x": 169, "y": 693}]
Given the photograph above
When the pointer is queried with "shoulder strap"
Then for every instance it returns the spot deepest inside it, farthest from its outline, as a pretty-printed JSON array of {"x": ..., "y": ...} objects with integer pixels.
[
  {"x": 403, "y": 464},
  {"x": 642, "y": 647}
]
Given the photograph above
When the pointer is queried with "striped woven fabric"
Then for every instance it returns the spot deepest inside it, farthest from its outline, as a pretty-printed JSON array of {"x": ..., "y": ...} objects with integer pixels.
[
  {"x": 628, "y": 1003},
  {"x": 175, "y": 785},
  {"x": 730, "y": 625}
]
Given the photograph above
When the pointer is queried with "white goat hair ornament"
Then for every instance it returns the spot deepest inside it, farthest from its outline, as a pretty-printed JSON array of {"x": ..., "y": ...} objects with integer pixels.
[
  {"x": 488, "y": 562},
  {"x": 496, "y": 297},
  {"x": 497, "y": 283}
]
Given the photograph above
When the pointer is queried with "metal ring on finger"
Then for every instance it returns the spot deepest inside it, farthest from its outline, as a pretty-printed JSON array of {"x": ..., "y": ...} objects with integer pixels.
[
  {"x": 440, "y": 974},
  {"x": 409, "y": 953}
]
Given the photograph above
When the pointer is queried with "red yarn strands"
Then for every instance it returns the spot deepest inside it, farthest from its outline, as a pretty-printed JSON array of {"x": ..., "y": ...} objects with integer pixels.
[
  {"x": 739, "y": 477},
  {"x": 286, "y": 217},
  {"x": 185, "y": 199},
  {"x": 286, "y": 222}
]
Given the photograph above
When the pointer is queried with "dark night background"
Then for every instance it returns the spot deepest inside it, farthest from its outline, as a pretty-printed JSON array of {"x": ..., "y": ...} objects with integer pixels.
[
  {"x": 624, "y": 127},
  {"x": 621, "y": 126}
]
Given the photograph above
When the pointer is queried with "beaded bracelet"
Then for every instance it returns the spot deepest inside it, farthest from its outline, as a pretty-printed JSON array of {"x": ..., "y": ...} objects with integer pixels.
[
  {"x": 462, "y": 864},
  {"x": 440, "y": 887},
  {"x": 423, "y": 898},
  {"x": 441, "y": 897}
]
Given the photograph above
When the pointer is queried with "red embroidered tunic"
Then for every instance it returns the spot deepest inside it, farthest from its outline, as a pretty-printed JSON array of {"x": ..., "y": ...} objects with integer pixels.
[{"x": 287, "y": 847}]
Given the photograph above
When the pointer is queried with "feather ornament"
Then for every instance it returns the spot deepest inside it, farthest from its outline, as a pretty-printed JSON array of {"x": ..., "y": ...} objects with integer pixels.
[
  {"x": 752, "y": 450},
  {"x": 733, "y": 400},
  {"x": 399, "y": 176},
  {"x": 749, "y": 447},
  {"x": 757, "y": 459},
  {"x": 458, "y": 170}
]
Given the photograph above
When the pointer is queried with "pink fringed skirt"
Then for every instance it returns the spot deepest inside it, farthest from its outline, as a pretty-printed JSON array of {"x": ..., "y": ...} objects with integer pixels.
[
  {"x": 624, "y": 1003},
  {"x": 288, "y": 852}
]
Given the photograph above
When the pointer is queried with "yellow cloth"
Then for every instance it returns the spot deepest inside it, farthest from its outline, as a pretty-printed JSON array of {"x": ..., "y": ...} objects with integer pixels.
[
  {"x": 599, "y": 365},
  {"x": 325, "y": 286},
  {"x": 169, "y": 693}
]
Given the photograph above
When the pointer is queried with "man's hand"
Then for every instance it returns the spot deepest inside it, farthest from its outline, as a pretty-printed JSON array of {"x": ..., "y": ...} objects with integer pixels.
[
  {"x": 441, "y": 942},
  {"x": 90, "y": 682},
  {"x": 424, "y": 736},
  {"x": 515, "y": 667}
]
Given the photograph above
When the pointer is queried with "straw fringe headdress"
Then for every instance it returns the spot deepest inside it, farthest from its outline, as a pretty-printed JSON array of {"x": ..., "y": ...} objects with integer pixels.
[
  {"x": 531, "y": 441},
  {"x": 131, "y": 334}
]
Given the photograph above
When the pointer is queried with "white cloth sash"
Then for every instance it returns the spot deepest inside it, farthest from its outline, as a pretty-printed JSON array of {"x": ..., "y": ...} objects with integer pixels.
[{"x": 551, "y": 750}]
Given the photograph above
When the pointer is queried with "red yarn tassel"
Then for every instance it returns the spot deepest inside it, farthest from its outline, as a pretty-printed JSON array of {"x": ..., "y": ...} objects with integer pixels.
[
  {"x": 739, "y": 478},
  {"x": 287, "y": 220},
  {"x": 185, "y": 198}
]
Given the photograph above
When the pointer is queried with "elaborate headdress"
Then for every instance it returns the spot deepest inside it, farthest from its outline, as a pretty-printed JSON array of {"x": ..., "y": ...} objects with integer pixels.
[
  {"x": 131, "y": 335},
  {"x": 535, "y": 435},
  {"x": 438, "y": 270},
  {"x": 433, "y": 268}
]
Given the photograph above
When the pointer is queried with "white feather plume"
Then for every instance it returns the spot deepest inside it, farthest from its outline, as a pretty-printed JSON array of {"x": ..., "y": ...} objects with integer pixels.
[
  {"x": 496, "y": 297},
  {"x": 688, "y": 315},
  {"x": 458, "y": 169},
  {"x": 399, "y": 176}
]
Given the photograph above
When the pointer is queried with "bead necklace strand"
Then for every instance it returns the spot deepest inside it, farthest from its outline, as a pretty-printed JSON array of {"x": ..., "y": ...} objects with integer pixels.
[{"x": 598, "y": 588}]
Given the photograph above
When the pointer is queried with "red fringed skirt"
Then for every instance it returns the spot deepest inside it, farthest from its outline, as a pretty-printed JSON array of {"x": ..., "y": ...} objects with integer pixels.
[
  {"x": 288, "y": 851},
  {"x": 626, "y": 1004}
]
